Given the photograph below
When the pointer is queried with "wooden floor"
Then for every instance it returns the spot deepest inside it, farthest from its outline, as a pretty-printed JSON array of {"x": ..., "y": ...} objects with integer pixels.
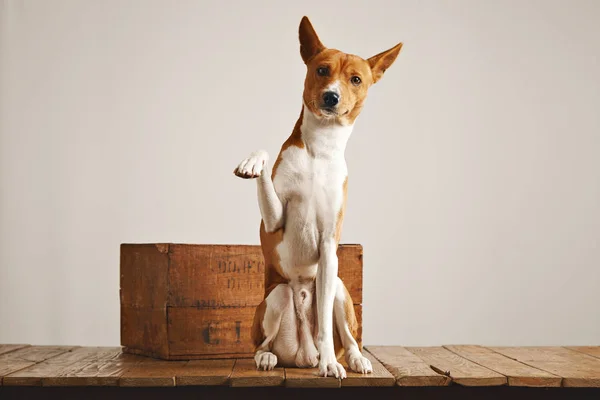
[{"x": 465, "y": 366}]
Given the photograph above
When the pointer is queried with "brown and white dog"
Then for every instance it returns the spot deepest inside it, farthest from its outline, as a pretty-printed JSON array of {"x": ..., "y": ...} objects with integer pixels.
[{"x": 307, "y": 317}]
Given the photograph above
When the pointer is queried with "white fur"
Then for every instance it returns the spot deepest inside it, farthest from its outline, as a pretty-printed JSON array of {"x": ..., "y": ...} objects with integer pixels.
[
  {"x": 306, "y": 196},
  {"x": 333, "y": 87}
]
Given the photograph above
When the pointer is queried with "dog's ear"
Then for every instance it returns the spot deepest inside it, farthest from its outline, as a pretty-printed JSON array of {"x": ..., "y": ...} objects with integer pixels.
[
  {"x": 310, "y": 45},
  {"x": 382, "y": 61}
]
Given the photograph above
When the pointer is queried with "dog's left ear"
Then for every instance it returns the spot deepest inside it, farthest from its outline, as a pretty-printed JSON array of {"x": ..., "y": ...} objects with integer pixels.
[
  {"x": 382, "y": 61},
  {"x": 310, "y": 45}
]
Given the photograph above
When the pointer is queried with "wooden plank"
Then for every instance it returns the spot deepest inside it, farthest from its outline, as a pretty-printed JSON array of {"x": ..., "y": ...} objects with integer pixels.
[
  {"x": 101, "y": 367},
  {"x": 152, "y": 373},
  {"x": 593, "y": 351},
  {"x": 7, "y": 348},
  {"x": 213, "y": 276},
  {"x": 205, "y": 373},
  {"x": 518, "y": 374},
  {"x": 245, "y": 374},
  {"x": 461, "y": 371},
  {"x": 309, "y": 378},
  {"x": 576, "y": 369},
  {"x": 95, "y": 373},
  {"x": 27, "y": 357},
  {"x": 379, "y": 377},
  {"x": 407, "y": 369},
  {"x": 59, "y": 365}
]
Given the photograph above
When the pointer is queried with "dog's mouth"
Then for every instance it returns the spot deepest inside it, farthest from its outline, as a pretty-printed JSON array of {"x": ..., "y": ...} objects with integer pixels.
[{"x": 332, "y": 112}]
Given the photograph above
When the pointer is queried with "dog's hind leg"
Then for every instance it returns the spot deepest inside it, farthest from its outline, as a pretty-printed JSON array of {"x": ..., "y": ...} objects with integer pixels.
[{"x": 273, "y": 319}]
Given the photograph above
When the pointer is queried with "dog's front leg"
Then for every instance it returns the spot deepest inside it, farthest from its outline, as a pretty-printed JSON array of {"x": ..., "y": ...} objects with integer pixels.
[
  {"x": 326, "y": 288},
  {"x": 271, "y": 207}
]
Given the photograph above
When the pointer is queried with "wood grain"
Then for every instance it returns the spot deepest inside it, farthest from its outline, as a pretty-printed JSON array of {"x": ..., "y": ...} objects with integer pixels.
[
  {"x": 211, "y": 276},
  {"x": 593, "y": 351},
  {"x": 576, "y": 369},
  {"x": 19, "y": 359},
  {"x": 245, "y": 374},
  {"x": 7, "y": 348},
  {"x": 152, "y": 373},
  {"x": 205, "y": 373},
  {"x": 462, "y": 371},
  {"x": 144, "y": 330},
  {"x": 309, "y": 378},
  {"x": 60, "y": 365},
  {"x": 95, "y": 373},
  {"x": 144, "y": 274},
  {"x": 518, "y": 374},
  {"x": 407, "y": 369},
  {"x": 210, "y": 331},
  {"x": 379, "y": 377}
]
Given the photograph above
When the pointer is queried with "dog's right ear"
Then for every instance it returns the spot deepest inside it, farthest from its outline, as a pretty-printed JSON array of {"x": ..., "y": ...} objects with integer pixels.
[{"x": 310, "y": 45}]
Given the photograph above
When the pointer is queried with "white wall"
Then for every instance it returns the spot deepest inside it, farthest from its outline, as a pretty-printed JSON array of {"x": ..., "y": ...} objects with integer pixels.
[{"x": 474, "y": 168}]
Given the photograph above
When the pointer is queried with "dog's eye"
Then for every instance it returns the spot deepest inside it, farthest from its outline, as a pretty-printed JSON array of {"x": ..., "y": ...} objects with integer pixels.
[
  {"x": 323, "y": 71},
  {"x": 355, "y": 80}
]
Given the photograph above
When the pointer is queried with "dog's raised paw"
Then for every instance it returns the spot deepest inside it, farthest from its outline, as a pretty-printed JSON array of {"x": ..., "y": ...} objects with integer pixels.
[
  {"x": 266, "y": 361},
  {"x": 252, "y": 166},
  {"x": 360, "y": 364}
]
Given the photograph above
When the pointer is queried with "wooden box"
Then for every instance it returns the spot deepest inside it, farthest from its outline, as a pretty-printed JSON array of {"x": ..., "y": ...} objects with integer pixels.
[{"x": 182, "y": 301}]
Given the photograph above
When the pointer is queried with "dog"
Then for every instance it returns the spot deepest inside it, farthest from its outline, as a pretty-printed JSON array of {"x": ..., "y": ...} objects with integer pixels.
[{"x": 307, "y": 316}]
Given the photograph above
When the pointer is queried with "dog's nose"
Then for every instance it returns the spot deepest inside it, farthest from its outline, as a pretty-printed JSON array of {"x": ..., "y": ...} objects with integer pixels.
[{"x": 331, "y": 99}]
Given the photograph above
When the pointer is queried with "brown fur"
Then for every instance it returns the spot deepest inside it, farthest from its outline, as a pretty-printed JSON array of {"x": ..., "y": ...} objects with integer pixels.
[{"x": 258, "y": 333}]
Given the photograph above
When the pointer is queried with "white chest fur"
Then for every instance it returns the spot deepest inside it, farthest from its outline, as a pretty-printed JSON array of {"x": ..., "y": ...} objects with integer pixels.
[{"x": 310, "y": 183}]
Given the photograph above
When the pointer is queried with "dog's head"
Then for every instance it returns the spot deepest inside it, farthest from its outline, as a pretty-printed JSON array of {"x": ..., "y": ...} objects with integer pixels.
[{"x": 336, "y": 83}]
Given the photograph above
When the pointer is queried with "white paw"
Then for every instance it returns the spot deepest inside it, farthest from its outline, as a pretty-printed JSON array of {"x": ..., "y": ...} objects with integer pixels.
[
  {"x": 328, "y": 366},
  {"x": 359, "y": 363},
  {"x": 266, "y": 361},
  {"x": 252, "y": 166}
]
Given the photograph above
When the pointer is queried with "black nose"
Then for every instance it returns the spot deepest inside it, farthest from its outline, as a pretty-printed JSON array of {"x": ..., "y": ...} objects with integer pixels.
[{"x": 331, "y": 99}]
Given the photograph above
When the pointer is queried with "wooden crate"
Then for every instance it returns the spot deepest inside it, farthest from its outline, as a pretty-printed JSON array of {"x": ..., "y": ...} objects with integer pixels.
[{"x": 183, "y": 301}]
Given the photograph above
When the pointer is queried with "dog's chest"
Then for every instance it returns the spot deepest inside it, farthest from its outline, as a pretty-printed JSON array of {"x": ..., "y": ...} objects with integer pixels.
[{"x": 312, "y": 187}]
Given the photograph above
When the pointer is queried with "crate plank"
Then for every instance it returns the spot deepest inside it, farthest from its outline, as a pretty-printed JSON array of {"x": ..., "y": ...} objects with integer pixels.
[
  {"x": 144, "y": 269},
  {"x": 208, "y": 331},
  {"x": 144, "y": 331},
  {"x": 245, "y": 374},
  {"x": 576, "y": 369},
  {"x": 59, "y": 365},
  {"x": 379, "y": 377},
  {"x": 407, "y": 368},
  {"x": 518, "y": 374},
  {"x": 461, "y": 371},
  {"x": 233, "y": 275},
  {"x": 27, "y": 357}
]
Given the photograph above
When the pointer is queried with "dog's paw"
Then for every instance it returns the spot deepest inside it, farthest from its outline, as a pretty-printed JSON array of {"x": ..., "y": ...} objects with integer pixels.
[
  {"x": 329, "y": 366},
  {"x": 334, "y": 369},
  {"x": 359, "y": 363},
  {"x": 265, "y": 361},
  {"x": 252, "y": 166}
]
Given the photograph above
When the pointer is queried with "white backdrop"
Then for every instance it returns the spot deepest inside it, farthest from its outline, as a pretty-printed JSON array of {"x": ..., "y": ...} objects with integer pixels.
[{"x": 474, "y": 168}]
